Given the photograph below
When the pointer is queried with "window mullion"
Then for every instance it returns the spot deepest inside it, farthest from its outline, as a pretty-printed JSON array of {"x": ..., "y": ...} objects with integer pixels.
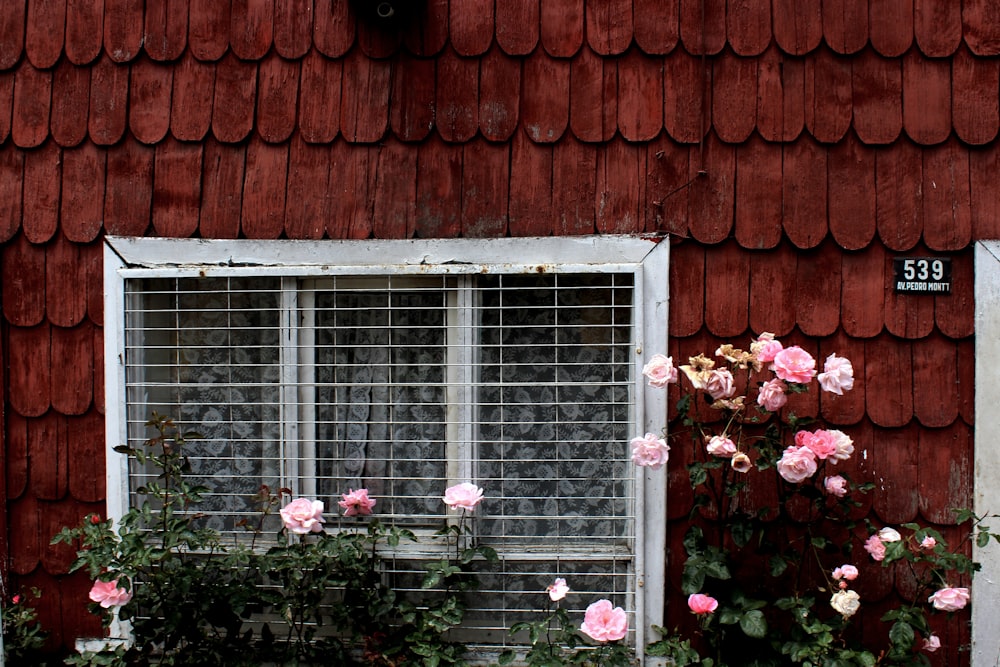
[
  {"x": 296, "y": 467},
  {"x": 460, "y": 380}
]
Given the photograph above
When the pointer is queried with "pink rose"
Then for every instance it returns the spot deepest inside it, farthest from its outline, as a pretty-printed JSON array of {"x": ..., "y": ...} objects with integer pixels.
[
  {"x": 797, "y": 464},
  {"x": 109, "y": 594},
  {"x": 931, "y": 643},
  {"x": 793, "y": 364},
  {"x": 843, "y": 445},
  {"x": 721, "y": 446},
  {"x": 837, "y": 376},
  {"x": 848, "y": 572},
  {"x": 835, "y": 486},
  {"x": 357, "y": 503},
  {"x": 650, "y": 451},
  {"x": 765, "y": 348},
  {"x": 771, "y": 395},
  {"x": 303, "y": 516},
  {"x": 888, "y": 534},
  {"x": 741, "y": 462},
  {"x": 603, "y": 623},
  {"x": 557, "y": 590},
  {"x": 720, "y": 384},
  {"x": 660, "y": 371},
  {"x": 702, "y": 604},
  {"x": 463, "y": 496},
  {"x": 928, "y": 543},
  {"x": 822, "y": 443},
  {"x": 950, "y": 599},
  {"x": 875, "y": 547}
]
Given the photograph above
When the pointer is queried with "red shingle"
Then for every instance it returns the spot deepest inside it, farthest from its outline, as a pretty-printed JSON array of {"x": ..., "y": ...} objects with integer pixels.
[
  {"x": 334, "y": 27},
  {"x": 485, "y": 187},
  {"x": 11, "y": 192},
  {"x": 981, "y": 23},
  {"x": 85, "y": 30},
  {"x": 562, "y": 27},
  {"x": 52, "y": 517},
  {"x": 29, "y": 370},
  {"x": 891, "y": 26},
  {"x": 845, "y": 410},
  {"x": 593, "y": 97},
  {"x": 278, "y": 93},
  {"x": 954, "y": 313},
  {"x": 70, "y": 96},
  {"x": 734, "y": 98},
  {"x": 758, "y": 194},
  {"x": 191, "y": 99},
  {"x": 935, "y": 379},
  {"x": 899, "y": 213},
  {"x": 129, "y": 189},
  {"x": 86, "y": 472},
  {"x": 530, "y": 201},
  {"x": 108, "y": 102},
  {"x": 65, "y": 275},
  {"x": 772, "y": 291},
  {"x": 967, "y": 380},
  {"x": 377, "y": 40},
  {"x": 863, "y": 292},
  {"x": 804, "y": 193},
  {"x": 165, "y": 29},
  {"x": 149, "y": 100},
  {"x": 703, "y": 26},
  {"x": 845, "y": 25},
  {"x": 907, "y": 315},
  {"x": 946, "y": 197},
  {"x": 687, "y": 289},
  {"x": 926, "y": 98},
  {"x": 608, "y": 25},
  {"x": 748, "y": 26},
  {"x": 41, "y": 190},
  {"x": 307, "y": 205},
  {"x": 888, "y": 379},
  {"x": 264, "y": 184},
  {"x": 780, "y": 96},
  {"x": 293, "y": 27},
  {"x": 666, "y": 187},
  {"x": 877, "y": 87},
  {"x": 439, "y": 184},
  {"x": 177, "y": 169},
  {"x": 640, "y": 96},
  {"x": 12, "y": 34},
  {"x": 574, "y": 187},
  {"x": 518, "y": 25},
  {"x": 974, "y": 95},
  {"x": 937, "y": 26},
  {"x": 364, "y": 111},
  {"x": 395, "y": 195},
  {"x": 351, "y": 210},
  {"x": 320, "y": 95},
  {"x": 32, "y": 96},
  {"x": 233, "y": 103},
  {"x": 222, "y": 190},
  {"x": 251, "y": 23},
  {"x": 851, "y": 189},
  {"x": 44, "y": 32},
  {"x": 72, "y": 379},
  {"x": 98, "y": 353},
  {"x": 656, "y": 25},
  {"x": 817, "y": 285},
  {"x": 896, "y": 464},
  {"x": 123, "y": 29},
  {"x": 15, "y": 454},
  {"x": 945, "y": 471},
  {"x": 456, "y": 109},
  {"x": 620, "y": 167},
  {"x": 499, "y": 95},
  {"x": 208, "y": 28},
  {"x": 828, "y": 95},
  {"x": 710, "y": 196},
  {"x": 6, "y": 103},
  {"x": 727, "y": 290},
  {"x": 470, "y": 26},
  {"x": 686, "y": 96},
  {"x": 432, "y": 28},
  {"x": 545, "y": 101},
  {"x": 798, "y": 25},
  {"x": 82, "y": 196},
  {"x": 23, "y": 284},
  {"x": 984, "y": 196},
  {"x": 22, "y": 515}
]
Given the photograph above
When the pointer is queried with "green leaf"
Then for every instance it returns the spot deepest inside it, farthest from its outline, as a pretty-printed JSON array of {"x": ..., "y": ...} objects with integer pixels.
[
  {"x": 754, "y": 624},
  {"x": 742, "y": 532},
  {"x": 901, "y": 634}
]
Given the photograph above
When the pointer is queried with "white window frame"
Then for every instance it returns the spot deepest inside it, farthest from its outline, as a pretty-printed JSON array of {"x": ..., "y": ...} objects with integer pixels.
[{"x": 646, "y": 258}]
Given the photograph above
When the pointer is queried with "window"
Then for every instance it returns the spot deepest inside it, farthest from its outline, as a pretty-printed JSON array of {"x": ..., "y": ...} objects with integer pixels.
[{"x": 404, "y": 367}]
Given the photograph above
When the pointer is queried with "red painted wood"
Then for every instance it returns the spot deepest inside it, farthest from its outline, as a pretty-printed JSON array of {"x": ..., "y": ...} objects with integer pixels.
[
  {"x": 108, "y": 102},
  {"x": 149, "y": 100},
  {"x": 974, "y": 94},
  {"x": 11, "y": 193},
  {"x": 191, "y": 98},
  {"x": 955, "y": 313},
  {"x": 620, "y": 166},
  {"x": 967, "y": 381},
  {"x": 293, "y": 28},
  {"x": 758, "y": 194},
  {"x": 352, "y": 179},
  {"x": 845, "y": 410},
  {"x": 457, "y": 97},
  {"x": 98, "y": 353},
  {"x": 640, "y": 96},
  {"x": 687, "y": 289},
  {"x": 71, "y": 383},
  {"x": 817, "y": 287},
  {"x": 70, "y": 98},
  {"x": 851, "y": 189},
  {"x": 562, "y": 27},
  {"x": 656, "y": 25},
  {"x": 798, "y": 25},
  {"x": 828, "y": 95},
  {"x": 981, "y": 27},
  {"x": 703, "y": 26},
  {"x": 28, "y": 372},
  {"x": 123, "y": 30},
  {"x": 431, "y": 32},
  {"x": 65, "y": 275},
  {"x": 15, "y": 454},
  {"x": 31, "y": 110},
  {"x": 165, "y": 29},
  {"x": 52, "y": 517},
  {"x": 378, "y": 41},
  {"x": 845, "y": 25},
  {"x": 320, "y": 98},
  {"x": 84, "y": 21},
  {"x": 177, "y": 170},
  {"x": 926, "y": 98},
  {"x": 395, "y": 191},
  {"x": 734, "y": 98},
  {"x": 364, "y": 110},
  {"x": 803, "y": 196},
  {"x": 23, "y": 273},
  {"x": 863, "y": 293},
  {"x": 518, "y": 23},
  {"x": 12, "y": 21},
  {"x": 907, "y": 315},
  {"x": 45, "y": 32},
  {"x": 277, "y": 97},
  {"x": 499, "y": 95},
  {"x": 222, "y": 185},
  {"x": 235, "y": 95},
  {"x": 877, "y": 84},
  {"x": 687, "y": 99},
  {"x": 530, "y": 203},
  {"x": 710, "y": 196},
  {"x": 86, "y": 469},
  {"x": 411, "y": 111},
  {"x": 608, "y": 25},
  {"x": 772, "y": 291},
  {"x": 593, "y": 97},
  {"x": 41, "y": 191},
  {"x": 470, "y": 26},
  {"x": 891, "y": 26},
  {"x": 251, "y": 25},
  {"x": 947, "y": 215},
  {"x": 899, "y": 213},
  {"x": 935, "y": 377},
  {"x": 307, "y": 205},
  {"x": 334, "y": 27},
  {"x": 888, "y": 378},
  {"x": 727, "y": 290},
  {"x": 264, "y": 183},
  {"x": 984, "y": 197},
  {"x": 574, "y": 187},
  {"x": 6, "y": 103},
  {"x": 208, "y": 29},
  {"x": 439, "y": 187},
  {"x": 485, "y": 188},
  {"x": 897, "y": 469},
  {"x": 25, "y": 538},
  {"x": 748, "y": 26},
  {"x": 937, "y": 27},
  {"x": 545, "y": 99},
  {"x": 780, "y": 96},
  {"x": 129, "y": 189},
  {"x": 82, "y": 198},
  {"x": 666, "y": 187}
]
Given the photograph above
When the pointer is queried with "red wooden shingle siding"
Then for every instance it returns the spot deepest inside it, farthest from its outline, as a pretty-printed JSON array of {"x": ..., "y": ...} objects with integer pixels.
[{"x": 791, "y": 147}]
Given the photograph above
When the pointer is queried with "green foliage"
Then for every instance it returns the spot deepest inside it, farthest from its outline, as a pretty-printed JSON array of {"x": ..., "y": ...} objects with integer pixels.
[{"x": 23, "y": 637}]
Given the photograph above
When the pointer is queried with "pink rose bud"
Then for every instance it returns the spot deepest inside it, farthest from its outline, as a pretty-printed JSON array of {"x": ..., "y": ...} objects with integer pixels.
[
  {"x": 848, "y": 572},
  {"x": 741, "y": 462},
  {"x": 700, "y": 603},
  {"x": 835, "y": 486},
  {"x": 931, "y": 643},
  {"x": 356, "y": 503},
  {"x": 950, "y": 599},
  {"x": 464, "y": 496},
  {"x": 875, "y": 548},
  {"x": 303, "y": 516},
  {"x": 603, "y": 623},
  {"x": 928, "y": 543}
]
